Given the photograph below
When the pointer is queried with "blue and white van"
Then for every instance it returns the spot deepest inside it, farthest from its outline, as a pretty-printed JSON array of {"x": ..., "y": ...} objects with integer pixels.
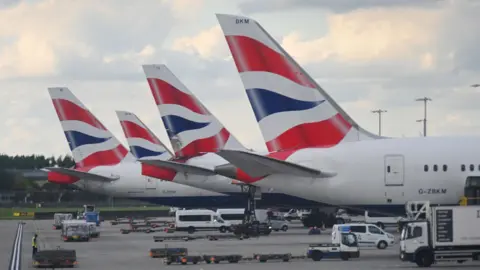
[{"x": 368, "y": 235}]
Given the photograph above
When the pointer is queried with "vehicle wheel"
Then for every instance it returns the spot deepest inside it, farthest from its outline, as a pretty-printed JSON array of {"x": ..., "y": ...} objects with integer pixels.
[
  {"x": 317, "y": 255},
  {"x": 380, "y": 225},
  {"x": 424, "y": 259},
  {"x": 223, "y": 229},
  {"x": 340, "y": 221},
  {"x": 344, "y": 256},
  {"x": 284, "y": 228},
  {"x": 382, "y": 245},
  {"x": 191, "y": 229}
]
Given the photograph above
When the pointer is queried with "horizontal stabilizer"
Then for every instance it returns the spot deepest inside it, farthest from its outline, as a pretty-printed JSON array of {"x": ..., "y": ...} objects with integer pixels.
[
  {"x": 259, "y": 166},
  {"x": 178, "y": 167},
  {"x": 82, "y": 175}
]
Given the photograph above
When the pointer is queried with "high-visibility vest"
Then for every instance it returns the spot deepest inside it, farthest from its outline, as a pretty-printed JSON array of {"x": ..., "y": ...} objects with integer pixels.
[{"x": 34, "y": 242}]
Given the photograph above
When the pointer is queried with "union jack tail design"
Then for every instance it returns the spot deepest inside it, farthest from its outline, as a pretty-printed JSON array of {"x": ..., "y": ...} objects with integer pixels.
[
  {"x": 142, "y": 141},
  {"x": 292, "y": 110},
  {"x": 192, "y": 129},
  {"x": 91, "y": 143}
]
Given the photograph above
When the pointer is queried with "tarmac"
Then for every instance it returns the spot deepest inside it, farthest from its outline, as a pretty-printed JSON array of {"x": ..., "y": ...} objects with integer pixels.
[{"x": 116, "y": 251}]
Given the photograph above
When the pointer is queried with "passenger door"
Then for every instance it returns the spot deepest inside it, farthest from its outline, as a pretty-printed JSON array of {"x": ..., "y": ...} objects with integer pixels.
[{"x": 394, "y": 173}]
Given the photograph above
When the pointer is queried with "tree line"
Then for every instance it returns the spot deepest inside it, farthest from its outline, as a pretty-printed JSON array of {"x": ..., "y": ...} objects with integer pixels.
[{"x": 11, "y": 181}]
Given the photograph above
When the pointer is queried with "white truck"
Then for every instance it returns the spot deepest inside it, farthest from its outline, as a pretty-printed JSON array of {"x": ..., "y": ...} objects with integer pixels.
[{"x": 448, "y": 233}]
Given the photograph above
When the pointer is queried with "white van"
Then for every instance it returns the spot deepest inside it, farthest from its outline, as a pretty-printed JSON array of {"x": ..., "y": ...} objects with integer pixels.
[
  {"x": 235, "y": 216},
  {"x": 196, "y": 220},
  {"x": 368, "y": 235}
]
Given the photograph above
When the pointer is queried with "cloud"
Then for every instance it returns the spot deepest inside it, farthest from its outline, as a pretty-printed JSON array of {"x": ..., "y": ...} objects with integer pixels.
[
  {"x": 206, "y": 44},
  {"x": 366, "y": 35},
  {"x": 337, "y": 6}
]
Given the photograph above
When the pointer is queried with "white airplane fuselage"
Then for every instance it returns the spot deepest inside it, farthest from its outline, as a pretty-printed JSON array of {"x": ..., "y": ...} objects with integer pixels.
[
  {"x": 132, "y": 184},
  {"x": 385, "y": 173}
]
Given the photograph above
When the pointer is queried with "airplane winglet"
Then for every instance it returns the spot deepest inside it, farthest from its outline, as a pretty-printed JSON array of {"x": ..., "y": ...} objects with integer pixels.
[
  {"x": 80, "y": 174},
  {"x": 179, "y": 167},
  {"x": 258, "y": 166}
]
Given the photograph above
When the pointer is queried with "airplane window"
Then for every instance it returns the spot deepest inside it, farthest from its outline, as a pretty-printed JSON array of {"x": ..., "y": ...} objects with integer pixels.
[
  {"x": 445, "y": 168},
  {"x": 463, "y": 167},
  {"x": 425, "y": 168},
  {"x": 472, "y": 167},
  {"x": 388, "y": 169},
  {"x": 435, "y": 167}
]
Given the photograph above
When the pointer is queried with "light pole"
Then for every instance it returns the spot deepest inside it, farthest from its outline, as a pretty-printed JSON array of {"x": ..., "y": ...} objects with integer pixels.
[
  {"x": 379, "y": 111},
  {"x": 425, "y": 100}
]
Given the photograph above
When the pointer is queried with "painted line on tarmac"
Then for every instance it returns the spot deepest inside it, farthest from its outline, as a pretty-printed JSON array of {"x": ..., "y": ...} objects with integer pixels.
[{"x": 16, "y": 256}]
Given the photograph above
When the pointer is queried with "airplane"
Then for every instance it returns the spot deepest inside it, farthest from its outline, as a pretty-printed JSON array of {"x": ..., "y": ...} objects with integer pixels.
[
  {"x": 103, "y": 165},
  {"x": 141, "y": 140},
  {"x": 319, "y": 153},
  {"x": 195, "y": 135}
]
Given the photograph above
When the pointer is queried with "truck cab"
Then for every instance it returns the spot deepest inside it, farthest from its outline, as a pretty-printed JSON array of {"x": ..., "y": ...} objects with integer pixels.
[{"x": 413, "y": 239}]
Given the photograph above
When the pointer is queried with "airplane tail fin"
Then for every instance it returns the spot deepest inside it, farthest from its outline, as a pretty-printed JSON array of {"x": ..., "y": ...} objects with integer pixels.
[
  {"x": 142, "y": 141},
  {"x": 192, "y": 129},
  {"x": 292, "y": 110},
  {"x": 91, "y": 143}
]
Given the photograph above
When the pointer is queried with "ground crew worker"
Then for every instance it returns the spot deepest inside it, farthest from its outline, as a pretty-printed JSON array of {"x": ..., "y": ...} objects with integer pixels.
[{"x": 34, "y": 245}]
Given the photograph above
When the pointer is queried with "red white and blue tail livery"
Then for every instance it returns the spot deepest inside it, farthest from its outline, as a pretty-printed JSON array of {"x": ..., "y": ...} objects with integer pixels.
[
  {"x": 142, "y": 141},
  {"x": 92, "y": 145},
  {"x": 293, "y": 112},
  {"x": 192, "y": 129}
]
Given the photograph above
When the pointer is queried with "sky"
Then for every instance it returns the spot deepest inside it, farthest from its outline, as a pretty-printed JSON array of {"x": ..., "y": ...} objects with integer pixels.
[{"x": 367, "y": 55}]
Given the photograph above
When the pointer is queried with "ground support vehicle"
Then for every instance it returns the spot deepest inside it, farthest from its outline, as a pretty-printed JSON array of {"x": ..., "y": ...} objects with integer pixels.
[
  {"x": 253, "y": 229},
  {"x": 182, "y": 259},
  {"x": 231, "y": 258},
  {"x": 368, "y": 235},
  {"x": 448, "y": 233},
  {"x": 122, "y": 221},
  {"x": 90, "y": 214},
  {"x": 75, "y": 230},
  {"x": 56, "y": 258},
  {"x": 285, "y": 257},
  {"x": 215, "y": 237},
  {"x": 163, "y": 252},
  {"x": 94, "y": 233},
  {"x": 140, "y": 229},
  {"x": 346, "y": 249},
  {"x": 58, "y": 218},
  {"x": 173, "y": 238}
]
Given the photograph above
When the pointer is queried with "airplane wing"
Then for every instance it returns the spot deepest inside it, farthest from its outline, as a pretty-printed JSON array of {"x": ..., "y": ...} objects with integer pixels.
[
  {"x": 176, "y": 166},
  {"x": 81, "y": 175},
  {"x": 258, "y": 166}
]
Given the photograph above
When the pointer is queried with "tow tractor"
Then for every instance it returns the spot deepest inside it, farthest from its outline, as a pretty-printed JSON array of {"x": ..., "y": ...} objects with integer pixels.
[
  {"x": 58, "y": 218},
  {"x": 347, "y": 248}
]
